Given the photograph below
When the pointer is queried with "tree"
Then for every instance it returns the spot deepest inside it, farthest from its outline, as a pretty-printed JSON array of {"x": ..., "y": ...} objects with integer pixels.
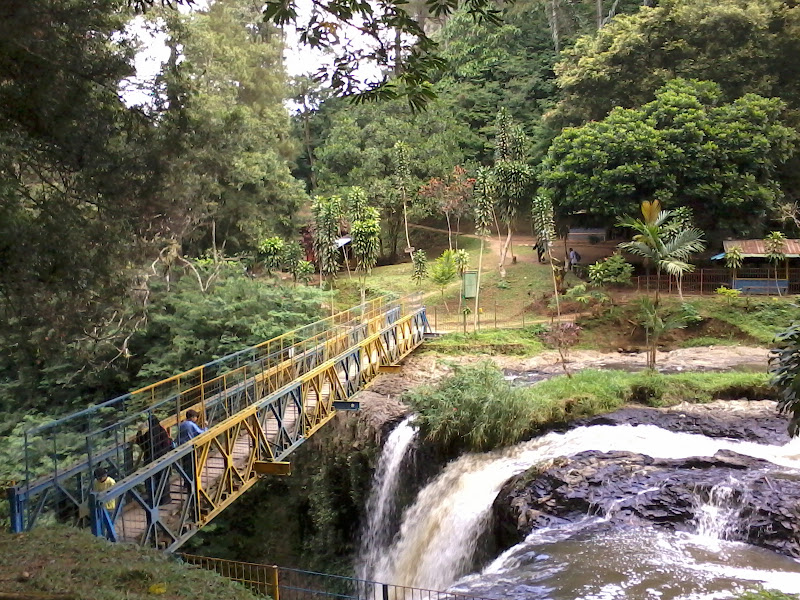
[
  {"x": 273, "y": 250},
  {"x": 785, "y": 371},
  {"x": 512, "y": 176},
  {"x": 668, "y": 250},
  {"x": 775, "y": 245},
  {"x": 420, "y": 263},
  {"x": 733, "y": 260},
  {"x": 357, "y": 149},
  {"x": 545, "y": 230},
  {"x": 686, "y": 148},
  {"x": 451, "y": 196},
  {"x": 366, "y": 244},
  {"x": 443, "y": 272},
  {"x": 741, "y": 45},
  {"x": 327, "y": 215},
  {"x": 227, "y": 84}
]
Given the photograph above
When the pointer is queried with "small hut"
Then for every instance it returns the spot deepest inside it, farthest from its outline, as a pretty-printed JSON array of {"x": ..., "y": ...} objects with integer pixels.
[{"x": 757, "y": 274}]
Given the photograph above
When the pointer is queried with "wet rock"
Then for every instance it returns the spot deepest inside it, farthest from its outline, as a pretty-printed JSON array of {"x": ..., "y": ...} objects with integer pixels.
[
  {"x": 753, "y": 421},
  {"x": 637, "y": 489}
]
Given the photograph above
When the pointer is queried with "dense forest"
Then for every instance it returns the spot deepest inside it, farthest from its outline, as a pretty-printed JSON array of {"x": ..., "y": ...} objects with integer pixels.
[{"x": 130, "y": 234}]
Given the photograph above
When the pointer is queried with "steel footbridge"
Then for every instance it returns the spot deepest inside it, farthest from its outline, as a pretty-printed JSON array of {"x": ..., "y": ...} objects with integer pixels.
[{"x": 258, "y": 406}]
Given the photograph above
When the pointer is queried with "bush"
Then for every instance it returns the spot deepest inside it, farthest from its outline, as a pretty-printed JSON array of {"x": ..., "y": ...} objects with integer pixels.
[
  {"x": 475, "y": 409},
  {"x": 614, "y": 270}
]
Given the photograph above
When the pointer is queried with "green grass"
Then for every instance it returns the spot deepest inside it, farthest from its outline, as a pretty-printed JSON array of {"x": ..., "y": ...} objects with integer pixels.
[
  {"x": 72, "y": 561},
  {"x": 476, "y": 409},
  {"x": 519, "y": 342},
  {"x": 760, "y": 318}
]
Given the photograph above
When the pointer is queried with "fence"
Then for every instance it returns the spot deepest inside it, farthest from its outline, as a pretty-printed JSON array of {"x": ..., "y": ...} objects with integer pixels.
[
  {"x": 707, "y": 281},
  {"x": 293, "y": 584}
]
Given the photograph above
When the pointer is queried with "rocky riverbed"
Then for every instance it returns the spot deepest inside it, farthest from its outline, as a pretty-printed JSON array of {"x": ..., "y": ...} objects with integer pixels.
[{"x": 635, "y": 490}]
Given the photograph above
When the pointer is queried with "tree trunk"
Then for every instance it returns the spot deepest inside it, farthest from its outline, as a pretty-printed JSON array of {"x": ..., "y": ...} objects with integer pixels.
[
  {"x": 599, "y": 14},
  {"x": 504, "y": 251},
  {"x": 478, "y": 287},
  {"x": 449, "y": 231},
  {"x": 408, "y": 239}
]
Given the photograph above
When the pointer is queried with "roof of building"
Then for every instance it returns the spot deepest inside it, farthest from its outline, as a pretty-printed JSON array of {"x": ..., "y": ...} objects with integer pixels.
[{"x": 757, "y": 248}]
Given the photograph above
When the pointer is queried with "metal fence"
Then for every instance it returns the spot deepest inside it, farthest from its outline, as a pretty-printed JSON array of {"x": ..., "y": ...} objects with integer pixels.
[
  {"x": 59, "y": 456},
  {"x": 293, "y": 584},
  {"x": 491, "y": 316},
  {"x": 707, "y": 281}
]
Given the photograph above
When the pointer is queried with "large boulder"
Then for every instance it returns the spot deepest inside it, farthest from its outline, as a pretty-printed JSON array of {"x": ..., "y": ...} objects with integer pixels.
[{"x": 637, "y": 489}]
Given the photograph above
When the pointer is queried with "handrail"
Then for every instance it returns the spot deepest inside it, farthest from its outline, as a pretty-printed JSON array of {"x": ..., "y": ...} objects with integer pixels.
[{"x": 283, "y": 583}]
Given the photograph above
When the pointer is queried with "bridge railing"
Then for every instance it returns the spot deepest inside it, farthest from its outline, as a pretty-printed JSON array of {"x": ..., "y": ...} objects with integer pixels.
[
  {"x": 60, "y": 456},
  {"x": 165, "y": 502},
  {"x": 282, "y": 583}
]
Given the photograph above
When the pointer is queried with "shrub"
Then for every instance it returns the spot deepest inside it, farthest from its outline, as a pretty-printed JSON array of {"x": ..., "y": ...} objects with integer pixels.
[
  {"x": 475, "y": 409},
  {"x": 614, "y": 270}
]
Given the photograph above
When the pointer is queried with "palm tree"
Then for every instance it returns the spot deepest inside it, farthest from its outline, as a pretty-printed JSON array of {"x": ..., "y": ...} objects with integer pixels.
[{"x": 666, "y": 248}]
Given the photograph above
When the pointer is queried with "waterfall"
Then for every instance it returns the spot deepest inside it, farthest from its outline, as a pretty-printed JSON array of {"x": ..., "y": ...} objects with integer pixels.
[
  {"x": 718, "y": 517},
  {"x": 381, "y": 504},
  {"x": 439, "y": 532}
]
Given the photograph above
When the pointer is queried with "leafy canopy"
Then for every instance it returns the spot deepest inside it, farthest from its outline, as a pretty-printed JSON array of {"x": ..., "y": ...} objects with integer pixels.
[{"x": 685, "y": 148}]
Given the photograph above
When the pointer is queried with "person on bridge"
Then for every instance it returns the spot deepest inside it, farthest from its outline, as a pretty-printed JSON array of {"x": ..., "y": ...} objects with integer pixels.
[
  {"x": 103, "y": 482},
  {"x": 155, "y": 443},
  {"x": 189, "y": 428}
]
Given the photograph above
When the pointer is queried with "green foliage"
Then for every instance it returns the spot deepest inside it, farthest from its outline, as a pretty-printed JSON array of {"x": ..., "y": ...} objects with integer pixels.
[
  {"x": 443, "y": 271},
  {"x": 105, "y": 571},
  {"x": 273, "y": 249},
  {"x": 192, "y": 327},
  {"x": 356, "y": 148},
  {"x": 484, "y": 201},
  {"x": 785, "y": 371},
  {"x": 614, "y": 270},
  {"x": 461, "y": 260},
  {"x": 686, "y": 147},
  {"x": 420, "y": 272},
  {"x": 327, "y": 215},
  {"x": 518, "y": 342},
  {"x": 729, "y": 294},
  {"x": 666, "y": 247},
  {"x": 305, "y": 270},
  {"x": 766, "y": 595},
  {"x": 583, "y": 295},
  {"x": 742, "y": 45},
  {"x": 734, "y": 258},
  {"x": 475, "y": 410},
  {"x": 689, "y": 314},
  {"x": 365, "y": 234}
]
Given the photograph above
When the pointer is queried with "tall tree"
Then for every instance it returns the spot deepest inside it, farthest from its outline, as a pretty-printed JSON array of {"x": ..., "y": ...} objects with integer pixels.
[
  {"x": 686, "y": 148},
  {"x": 742, "y": 45},
  {"x": 513, "y": 178}
]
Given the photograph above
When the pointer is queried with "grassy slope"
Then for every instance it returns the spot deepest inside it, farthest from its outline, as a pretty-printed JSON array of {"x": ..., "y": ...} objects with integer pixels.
[
  {"x": 477, "y": 410},
  {"x": 69, "y": 560}
]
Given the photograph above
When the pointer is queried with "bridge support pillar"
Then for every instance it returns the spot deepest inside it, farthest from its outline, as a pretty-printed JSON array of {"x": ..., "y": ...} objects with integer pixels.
[{"x": 17, "y": 510}]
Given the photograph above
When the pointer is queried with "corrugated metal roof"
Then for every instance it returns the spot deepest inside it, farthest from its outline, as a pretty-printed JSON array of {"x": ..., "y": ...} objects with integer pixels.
[{"x": 756, "y": 248}]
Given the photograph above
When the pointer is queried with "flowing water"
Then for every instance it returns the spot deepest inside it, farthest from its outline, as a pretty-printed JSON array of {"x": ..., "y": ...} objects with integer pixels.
[
  {"x": 439, "y": 534},
  {"x": 381, "y": 505}
]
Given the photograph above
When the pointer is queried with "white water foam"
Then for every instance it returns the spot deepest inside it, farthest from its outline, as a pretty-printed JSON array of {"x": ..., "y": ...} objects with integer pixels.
[{"x": 440, "y": 531}]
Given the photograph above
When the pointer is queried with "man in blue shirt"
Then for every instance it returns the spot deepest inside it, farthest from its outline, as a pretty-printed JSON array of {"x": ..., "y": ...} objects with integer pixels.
[
  {"x": 189, "y": 427},
  {"x": 187, "y": 430}
]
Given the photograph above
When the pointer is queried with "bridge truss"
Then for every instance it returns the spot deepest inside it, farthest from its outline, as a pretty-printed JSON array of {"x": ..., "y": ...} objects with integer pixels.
[{"x": 258, "y": 406}]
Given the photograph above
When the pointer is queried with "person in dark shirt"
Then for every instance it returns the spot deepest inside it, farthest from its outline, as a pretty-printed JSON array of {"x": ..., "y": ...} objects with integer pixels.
[{"x": 155, "y": 443}]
